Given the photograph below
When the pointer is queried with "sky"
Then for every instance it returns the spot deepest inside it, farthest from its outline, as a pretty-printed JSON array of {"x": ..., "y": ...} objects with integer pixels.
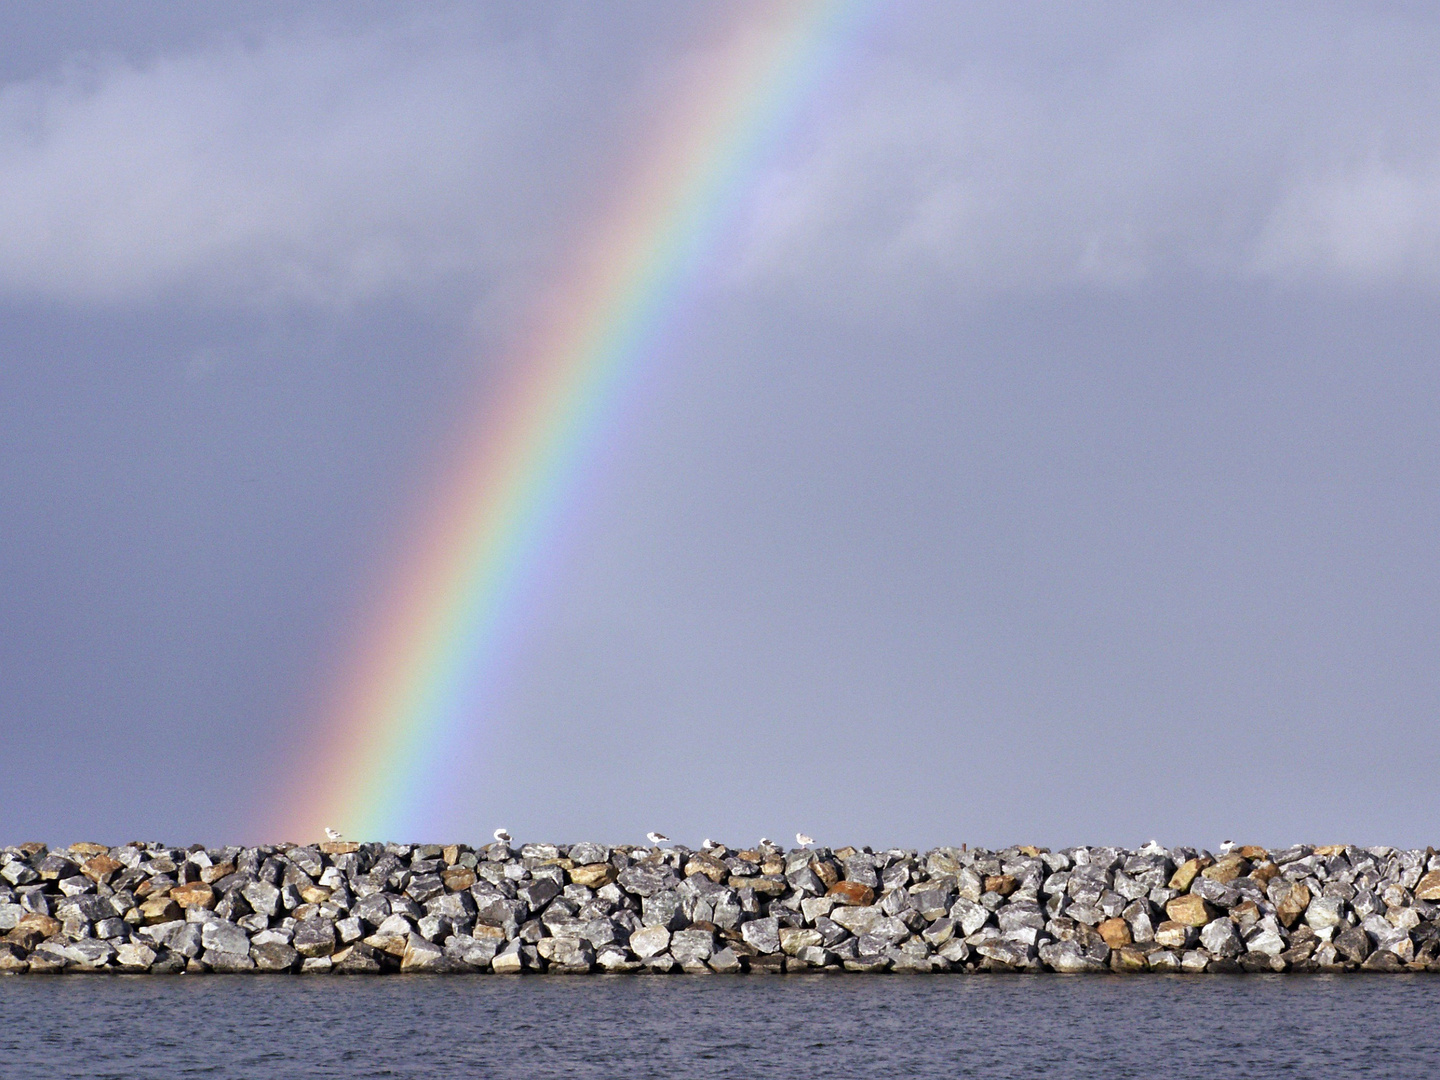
[{"x": 1053, "y": 456}]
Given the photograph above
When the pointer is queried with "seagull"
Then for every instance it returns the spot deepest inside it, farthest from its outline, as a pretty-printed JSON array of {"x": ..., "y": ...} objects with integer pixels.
[
  {"x": 708, "y": 845},
  {"x": 766, "y": 843},
  {"x": 502, "y": 835},
  {"x": 803, "y": 840},
  {"x": 331, "y": 834},
  {"x": 657, "y": 838},
  {"x": 1225, "y": 846}
]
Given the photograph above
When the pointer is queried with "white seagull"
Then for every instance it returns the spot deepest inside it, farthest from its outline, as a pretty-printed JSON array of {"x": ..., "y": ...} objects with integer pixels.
[
  {"x": 803, "y": 840},
  {"x": 708, "y": 845},
  {"x": 657, "y": 838},
  {"x": 502, "y": 836},
  {"x": 331, "y": 834},
  {"x": 1225, "y": 846}
]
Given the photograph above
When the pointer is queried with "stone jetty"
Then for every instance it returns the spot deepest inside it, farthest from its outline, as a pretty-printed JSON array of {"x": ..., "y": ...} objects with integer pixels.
[{"x": 379, "y": 908}]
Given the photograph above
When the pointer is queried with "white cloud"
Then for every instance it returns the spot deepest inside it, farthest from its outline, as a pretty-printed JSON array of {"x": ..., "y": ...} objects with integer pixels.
[
  {"x": 312, "y": 168},
  {"x": 962, "y": 157}
]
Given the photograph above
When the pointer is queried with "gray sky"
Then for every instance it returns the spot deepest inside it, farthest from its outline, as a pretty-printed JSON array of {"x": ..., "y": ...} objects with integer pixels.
[{"x": 1056, "y": 458}]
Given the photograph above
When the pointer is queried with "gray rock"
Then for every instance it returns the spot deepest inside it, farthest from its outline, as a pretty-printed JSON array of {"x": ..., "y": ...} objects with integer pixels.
[
  {"x": 314, "y": 937},
  {"x": 1325, "y": 911},
  {"x": 662, "y": 908},
  {"x": 220, "y": 936},
  {"x": 1220, "y": 939},
  {"x": 763, "y": 935},
  {"x": 692, "y": 946},
  {"x": 650, "y": 941},
  {"x": 274, "y": 956}
]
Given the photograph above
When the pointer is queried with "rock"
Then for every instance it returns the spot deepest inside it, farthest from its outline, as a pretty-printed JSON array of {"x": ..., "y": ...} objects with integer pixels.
[
  {"x": 1428, "y": 887},
  {"x": 650, "y": 941},
  {"x": 195, "y": 895},
  {"x": 726, "y": 961},
  {"x": 1220, "y": 939},
  {"x": 421, "y": 955},
  {"x": 1115, "y": 932},
  {"x": 220, "y": 936},
  {"x": 1173, "y": 935},
  {"x": 1185, "y": 874},
  {"x": 356, "y": 959},
  {"x": 647, "y": 880},
  {"x": 13, "y": 959},
  {"x": 1227, "y": 869},
  {"x": 1190, "y": 910},
  {"x": 690, "y": 947},
  {"x": 594, "y": 875},
  {"x": 567, "y": 954},
  {"x": 274, "y": 956},
  {"x": 314, "y": 937},
  {"x": 852, "y": 893},
  {"x": 1068, "y": 958},
  {"x": 1293, "y": 904},
  {"x": 1383, "y": 960},
  {"x": 1353, "y": 944},
  {"x": 763, "y": 935},
  {"x": 1325, "y": 911},
  {"x": 793, "y": 939}
]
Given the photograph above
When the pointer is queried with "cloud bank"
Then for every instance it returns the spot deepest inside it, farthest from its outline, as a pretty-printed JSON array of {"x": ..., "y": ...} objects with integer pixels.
[{"x": 959, "y": 152}]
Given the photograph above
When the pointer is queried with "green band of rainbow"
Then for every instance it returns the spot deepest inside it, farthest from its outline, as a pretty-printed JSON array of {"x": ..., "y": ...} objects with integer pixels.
[{"x": 421, "y": 675}]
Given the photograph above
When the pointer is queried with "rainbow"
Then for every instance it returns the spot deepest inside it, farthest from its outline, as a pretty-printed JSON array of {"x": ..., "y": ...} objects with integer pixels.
[{"x": 416, "y": 686}]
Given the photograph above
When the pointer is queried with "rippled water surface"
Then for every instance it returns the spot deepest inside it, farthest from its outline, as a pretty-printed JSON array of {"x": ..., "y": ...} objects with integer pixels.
[{"x": 757, "y": 1026}]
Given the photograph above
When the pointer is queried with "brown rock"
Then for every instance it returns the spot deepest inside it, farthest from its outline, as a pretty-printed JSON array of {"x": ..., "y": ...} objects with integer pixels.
[
  {"x": 13, "y": 959},
  {"x": 341, "y": 847},
  {"x": 33, "y": 920},
  {"x": 594, "y": 875},
  {"x": 86, "y": 850},
  {"x": 101, "y": 868},
  {"x": 712, "y": 868},
  {"x": 1264, "y": 871},
  {"x": 1428, "y": 887},
  {"x": 1253, "y": 853},
  {"x": 1293, "y": 904},
  {"x": 1187, "y": 872},
  {"x": 1227, "y": 869},
  {"x": 211, "y": 874},
  {"x": 26, "y": 937},
  {"x": 852, "y": 893},
  {"x": 1031, "y": 850},
  {"x": 451, "y": 854},
  {"x": 840, "y": 853},
  {"x": 158, "y": 909},
  {"x": 772, "y": 867},
  {"x": 1189, "y": 910},
  {"x": 196, "y": 894},
  {"x": 1327, "y": 850},
  {"x": 1129, "y": 960},
  {"x": 458, "y": 878},
  {"x": 1116, "y": 932},
  {"x": 1004, "y": 884},
  {"x": 314, "y": 894},
  {"x": 1173, "y": 935},
  {"x": 825, "y": 870}
]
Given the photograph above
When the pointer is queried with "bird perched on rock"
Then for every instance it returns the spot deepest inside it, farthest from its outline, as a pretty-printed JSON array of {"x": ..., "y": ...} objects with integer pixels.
[
  {"x": 502, "y": 836},
  {"x": 708, "y": 845},
  {"x": 803, "y": 840},
  {"x": 657, "y": 838},
  {"x": 1226, "y": 846},
  {"x": 331, "y": 834}
]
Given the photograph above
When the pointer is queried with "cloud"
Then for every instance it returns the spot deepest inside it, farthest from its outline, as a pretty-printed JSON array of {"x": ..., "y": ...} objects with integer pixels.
[
  {"x": 962, "y": 151},
  {"x": 310, "y": 167},
  {"x": 1244, "y": 144}
]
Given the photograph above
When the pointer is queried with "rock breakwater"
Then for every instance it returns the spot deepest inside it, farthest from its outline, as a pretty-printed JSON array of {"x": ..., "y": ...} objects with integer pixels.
[{"x": 377, "y": 908}]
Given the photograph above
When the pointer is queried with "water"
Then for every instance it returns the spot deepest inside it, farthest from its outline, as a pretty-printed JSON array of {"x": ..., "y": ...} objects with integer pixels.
[{"x": 689, "y": 1026}]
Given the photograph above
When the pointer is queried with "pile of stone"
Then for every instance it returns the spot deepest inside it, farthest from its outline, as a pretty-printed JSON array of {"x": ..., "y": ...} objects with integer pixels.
[{"x": 373, "y": 908}]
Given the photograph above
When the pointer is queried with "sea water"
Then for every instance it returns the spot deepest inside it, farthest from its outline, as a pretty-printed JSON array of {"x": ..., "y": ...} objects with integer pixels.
[{"x": 1211, "y": 1026}]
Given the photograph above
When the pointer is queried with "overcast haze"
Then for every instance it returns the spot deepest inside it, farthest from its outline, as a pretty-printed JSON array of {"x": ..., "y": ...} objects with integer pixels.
[{"x": 1055, "y": 459}]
